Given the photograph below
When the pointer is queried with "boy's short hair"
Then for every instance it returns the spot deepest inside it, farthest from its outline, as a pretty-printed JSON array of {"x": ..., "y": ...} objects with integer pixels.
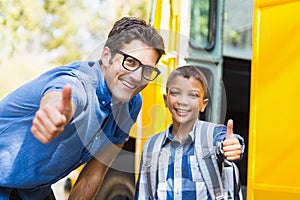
[
  {"x": 189, "y": 71},
  {"x": 132, "y": 28}
]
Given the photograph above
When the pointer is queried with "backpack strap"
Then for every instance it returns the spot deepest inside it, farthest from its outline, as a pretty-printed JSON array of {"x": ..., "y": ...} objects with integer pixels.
[
  {"x": 150, "y": 157},
  {"x": 207, "y": 159},
  {"x": 237, "y": 192}
]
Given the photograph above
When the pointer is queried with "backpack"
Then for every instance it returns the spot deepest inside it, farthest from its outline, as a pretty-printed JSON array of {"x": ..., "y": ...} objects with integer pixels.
[{"x": 223, "y": 180}]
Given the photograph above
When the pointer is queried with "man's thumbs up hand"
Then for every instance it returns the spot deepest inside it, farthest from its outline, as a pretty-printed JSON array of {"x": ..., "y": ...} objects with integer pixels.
[{"x": 56, "y": 110}]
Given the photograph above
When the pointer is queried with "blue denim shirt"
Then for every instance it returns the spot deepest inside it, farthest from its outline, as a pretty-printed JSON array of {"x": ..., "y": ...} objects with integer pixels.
[{"x": 32, "y": 166}]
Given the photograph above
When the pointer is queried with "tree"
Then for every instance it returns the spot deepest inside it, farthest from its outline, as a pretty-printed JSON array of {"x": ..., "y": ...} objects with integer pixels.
[{"x": 35, "y": 34}]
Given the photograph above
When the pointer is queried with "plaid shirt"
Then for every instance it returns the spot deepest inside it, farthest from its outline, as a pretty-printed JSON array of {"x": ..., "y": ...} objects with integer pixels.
[{"x": 179, "y": 175}]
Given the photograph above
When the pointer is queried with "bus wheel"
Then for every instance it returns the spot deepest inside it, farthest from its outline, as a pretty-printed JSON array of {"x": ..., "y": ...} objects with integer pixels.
[
  {"x": 116, "y": 186},
  {"x": 68, "y": 185}
]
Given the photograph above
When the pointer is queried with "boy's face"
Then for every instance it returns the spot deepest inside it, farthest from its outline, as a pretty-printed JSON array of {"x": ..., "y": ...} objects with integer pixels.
[
  {"x": 185, "y": 99},
  {"x": 124, "y": 84}
]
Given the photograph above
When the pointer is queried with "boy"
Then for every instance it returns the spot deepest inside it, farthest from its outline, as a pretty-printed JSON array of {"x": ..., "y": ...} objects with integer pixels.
[{"x": 178, "y": 175}]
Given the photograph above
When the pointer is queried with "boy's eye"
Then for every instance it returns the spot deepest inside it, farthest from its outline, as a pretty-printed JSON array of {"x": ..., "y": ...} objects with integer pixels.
[
  {"x": 172, "y": 92},
  {"x": 194, "y": 95}
]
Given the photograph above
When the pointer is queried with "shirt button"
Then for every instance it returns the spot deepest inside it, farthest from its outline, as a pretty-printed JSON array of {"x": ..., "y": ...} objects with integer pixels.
[
  {"x": 177, "y": 169},
  {"x": 103, "y": 102}
]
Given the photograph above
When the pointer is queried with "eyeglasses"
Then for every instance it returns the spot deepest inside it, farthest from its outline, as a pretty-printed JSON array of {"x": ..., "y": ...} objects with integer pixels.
[{"x": 132, "y": 64}]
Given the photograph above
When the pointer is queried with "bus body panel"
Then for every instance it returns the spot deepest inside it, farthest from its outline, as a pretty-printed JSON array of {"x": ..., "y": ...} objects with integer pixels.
[{"x": 273, "y": 164}]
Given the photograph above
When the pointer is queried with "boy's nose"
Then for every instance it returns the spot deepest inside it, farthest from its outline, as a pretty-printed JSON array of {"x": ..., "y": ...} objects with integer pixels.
[{"x": 182, "y": 99}]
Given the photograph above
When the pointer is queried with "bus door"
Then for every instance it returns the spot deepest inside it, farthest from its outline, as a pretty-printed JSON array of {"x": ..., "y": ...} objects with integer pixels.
[{"x": 193, "y": 32}]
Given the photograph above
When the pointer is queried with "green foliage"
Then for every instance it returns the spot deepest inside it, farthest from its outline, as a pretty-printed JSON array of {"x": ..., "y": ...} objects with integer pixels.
[
  {"x": 199, "y": 29},
  {"x": 55, "y": 32}
]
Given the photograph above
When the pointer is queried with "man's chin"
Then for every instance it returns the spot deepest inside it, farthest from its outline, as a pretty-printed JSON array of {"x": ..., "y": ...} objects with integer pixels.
[
  {"x": 122, "y": 99},
  {"x": 126, "y": 97}
]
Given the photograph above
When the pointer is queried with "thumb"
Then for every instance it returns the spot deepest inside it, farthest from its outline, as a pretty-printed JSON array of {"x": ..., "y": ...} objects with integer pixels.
[
  {"x": 229, "y": 131},
  {"x": 66, "y": 100}
]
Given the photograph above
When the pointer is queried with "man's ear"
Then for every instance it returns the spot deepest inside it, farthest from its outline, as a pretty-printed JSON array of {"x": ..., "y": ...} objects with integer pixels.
[
  {"x": 204, "y": 104},
  {"x": 106, "y": 57}
]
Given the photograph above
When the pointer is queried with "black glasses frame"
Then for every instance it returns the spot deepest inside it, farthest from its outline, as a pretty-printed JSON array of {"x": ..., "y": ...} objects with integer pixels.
[{"x": 141, "y": 65}]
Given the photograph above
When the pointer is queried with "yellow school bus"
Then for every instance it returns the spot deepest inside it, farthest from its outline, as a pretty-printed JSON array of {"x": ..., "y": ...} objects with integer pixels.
[{"x": 248, "y": 51}]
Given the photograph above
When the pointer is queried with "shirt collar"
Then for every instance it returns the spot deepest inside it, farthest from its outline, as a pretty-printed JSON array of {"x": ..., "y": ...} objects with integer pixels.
[
  {"x": 102, "y": 91},
  {"x": 169, "y": 138}
]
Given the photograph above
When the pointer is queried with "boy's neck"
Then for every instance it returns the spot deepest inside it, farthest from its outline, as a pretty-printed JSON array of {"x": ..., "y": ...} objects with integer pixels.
[{"x": 181, "y": 131}]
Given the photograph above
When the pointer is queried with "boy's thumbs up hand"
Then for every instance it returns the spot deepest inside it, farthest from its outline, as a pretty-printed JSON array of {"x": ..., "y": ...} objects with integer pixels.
[
  {"x": 231, "y": 145},
  {"x": 229, "y": 132}
]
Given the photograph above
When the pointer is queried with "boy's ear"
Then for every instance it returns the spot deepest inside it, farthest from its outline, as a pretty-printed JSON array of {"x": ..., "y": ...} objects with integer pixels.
[
  {"x": 165, "y": 100},
  {"x": 204, "y": 104}
]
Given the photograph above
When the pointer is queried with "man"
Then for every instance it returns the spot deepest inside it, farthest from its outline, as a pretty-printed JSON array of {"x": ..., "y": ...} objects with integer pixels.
[{"x": 76, "y": 114}]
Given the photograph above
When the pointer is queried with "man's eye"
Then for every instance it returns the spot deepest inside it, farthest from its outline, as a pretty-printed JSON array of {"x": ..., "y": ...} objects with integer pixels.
[
  {"x": 148, "y": 71},
  {"x": 131, "y": 62}
]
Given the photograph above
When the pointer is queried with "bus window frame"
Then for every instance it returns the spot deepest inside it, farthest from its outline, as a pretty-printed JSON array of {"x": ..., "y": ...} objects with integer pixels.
[{"x": 211, "y": 29}]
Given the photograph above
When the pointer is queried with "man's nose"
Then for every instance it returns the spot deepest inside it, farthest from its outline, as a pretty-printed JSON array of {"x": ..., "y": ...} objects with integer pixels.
[{"x": 137, "y": 75}]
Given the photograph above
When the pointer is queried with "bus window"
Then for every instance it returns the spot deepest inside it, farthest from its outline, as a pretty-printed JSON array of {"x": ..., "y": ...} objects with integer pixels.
[
  {"x": 201, "y": 29},
  {"x": 238, "y": 28}
]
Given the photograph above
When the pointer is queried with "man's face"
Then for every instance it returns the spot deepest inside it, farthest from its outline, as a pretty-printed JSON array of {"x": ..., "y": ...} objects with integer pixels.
[{"x": 124, "y": 84}]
